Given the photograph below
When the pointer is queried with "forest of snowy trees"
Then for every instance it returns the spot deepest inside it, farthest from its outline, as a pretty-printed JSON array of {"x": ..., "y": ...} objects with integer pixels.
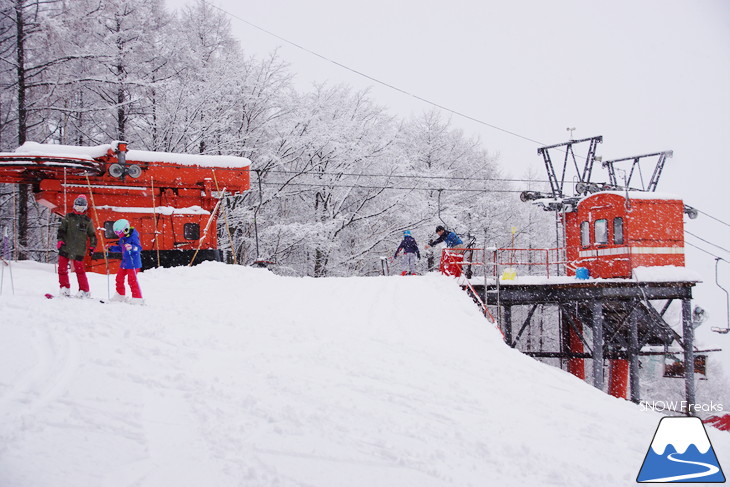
[{"x": 335, "y": 177}]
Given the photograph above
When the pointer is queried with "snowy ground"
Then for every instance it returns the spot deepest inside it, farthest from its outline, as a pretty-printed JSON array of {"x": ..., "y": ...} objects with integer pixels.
[{"x": 232, "y": 376}]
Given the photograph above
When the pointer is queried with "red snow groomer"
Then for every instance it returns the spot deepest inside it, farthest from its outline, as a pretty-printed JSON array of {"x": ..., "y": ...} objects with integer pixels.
[{"x": 171, "y": 199}]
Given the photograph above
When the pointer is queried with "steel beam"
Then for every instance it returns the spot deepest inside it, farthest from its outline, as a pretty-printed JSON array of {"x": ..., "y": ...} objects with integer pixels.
[
  {"x": 597, "y": 321},
  {"x": 633, "y": 353},
  {"x": 507, "y": 324},
  {"x": 689, "y": 354}
]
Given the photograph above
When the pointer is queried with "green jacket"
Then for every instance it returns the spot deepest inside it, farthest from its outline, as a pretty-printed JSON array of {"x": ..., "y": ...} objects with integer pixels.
[{"x": 73, "y": 232}]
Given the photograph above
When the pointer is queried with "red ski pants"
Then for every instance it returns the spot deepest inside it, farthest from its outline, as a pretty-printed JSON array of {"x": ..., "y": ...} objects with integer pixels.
[
  {"x": 79, "y": 269},
  {"x": 451, "y": 262},
  {"x": 131, "y": 275}
]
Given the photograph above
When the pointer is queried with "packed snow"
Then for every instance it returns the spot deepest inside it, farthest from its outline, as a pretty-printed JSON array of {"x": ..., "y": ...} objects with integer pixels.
[{"x": 234, "y": 376}]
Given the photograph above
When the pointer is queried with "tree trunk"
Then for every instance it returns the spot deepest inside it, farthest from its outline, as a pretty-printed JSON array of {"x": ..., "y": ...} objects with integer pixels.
[
  {"x": 22, "y": 126},
  {"x": 121, "y": 75}
]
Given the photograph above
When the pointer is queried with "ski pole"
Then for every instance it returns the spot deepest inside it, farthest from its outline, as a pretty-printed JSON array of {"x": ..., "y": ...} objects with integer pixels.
[{"x": 101, "y": 241}]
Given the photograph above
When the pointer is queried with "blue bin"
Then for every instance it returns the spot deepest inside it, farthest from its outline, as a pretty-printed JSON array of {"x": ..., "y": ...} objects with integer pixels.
[{"x": 582, "y": 273}]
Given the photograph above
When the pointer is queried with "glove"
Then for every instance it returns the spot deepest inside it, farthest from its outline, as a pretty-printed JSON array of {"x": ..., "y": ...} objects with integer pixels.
[
  {"x": 60, "y": 244},
  {"x": 91, "y": 250},
  {"x": 128, "y": 247}
]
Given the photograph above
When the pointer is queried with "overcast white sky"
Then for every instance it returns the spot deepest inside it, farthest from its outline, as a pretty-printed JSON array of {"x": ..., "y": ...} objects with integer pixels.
[{"x": 649, "y": 76}]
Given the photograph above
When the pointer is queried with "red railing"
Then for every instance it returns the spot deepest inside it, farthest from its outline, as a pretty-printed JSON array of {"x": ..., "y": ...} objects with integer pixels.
[
  {"x": 530, "y": 258},
  {"x": 453, "y": 261}
]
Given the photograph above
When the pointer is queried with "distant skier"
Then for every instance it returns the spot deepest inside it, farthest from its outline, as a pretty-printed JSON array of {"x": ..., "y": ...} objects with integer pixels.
[
  {"x": 75, "y": 230},
  {"x": 131, "y": 249},
  {"x": 451, "y": 260},
  {"x": 410, "y": 253}
]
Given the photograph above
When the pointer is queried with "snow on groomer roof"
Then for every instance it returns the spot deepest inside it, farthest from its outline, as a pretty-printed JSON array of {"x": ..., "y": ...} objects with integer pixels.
[
  {"x": 55, "y": 150},
  {"x": 187, "y": 159},
  {"x": 98, "y": 151}
]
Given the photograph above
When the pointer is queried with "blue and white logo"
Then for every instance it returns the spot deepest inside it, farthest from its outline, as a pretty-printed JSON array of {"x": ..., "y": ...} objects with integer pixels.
[{"x": 681, "y": 452}]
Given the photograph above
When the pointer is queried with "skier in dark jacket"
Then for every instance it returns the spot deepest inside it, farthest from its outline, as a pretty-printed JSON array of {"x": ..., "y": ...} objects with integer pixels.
[
  {"x": 131, "y": 249},
  {"x": 410, "y": 252},
  {"x": 75, "y": 230}
]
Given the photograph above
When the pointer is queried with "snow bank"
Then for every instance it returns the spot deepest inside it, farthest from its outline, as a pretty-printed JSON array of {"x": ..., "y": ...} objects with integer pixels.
[{"x": 232, "y": 376}]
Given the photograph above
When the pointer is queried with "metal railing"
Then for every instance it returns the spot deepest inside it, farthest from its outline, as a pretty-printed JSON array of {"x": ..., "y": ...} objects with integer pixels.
[
  {"x": 498, "y": 259},
  {"x": 529, "y": 259},
  {"x": 461, "y": 263}
]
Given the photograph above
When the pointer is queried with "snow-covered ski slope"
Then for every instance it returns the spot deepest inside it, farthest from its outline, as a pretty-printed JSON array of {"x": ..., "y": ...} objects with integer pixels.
[{"x": 233, "y": 376}]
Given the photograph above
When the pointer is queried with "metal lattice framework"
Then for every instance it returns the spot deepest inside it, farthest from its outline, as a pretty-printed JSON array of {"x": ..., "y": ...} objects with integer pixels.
[
  {"x": 582, "y": 175},
  {"x": 636, "y": 170}
]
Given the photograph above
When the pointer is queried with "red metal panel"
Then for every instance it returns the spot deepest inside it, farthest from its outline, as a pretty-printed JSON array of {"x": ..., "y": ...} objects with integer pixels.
[{"x": 653, "y": 234}]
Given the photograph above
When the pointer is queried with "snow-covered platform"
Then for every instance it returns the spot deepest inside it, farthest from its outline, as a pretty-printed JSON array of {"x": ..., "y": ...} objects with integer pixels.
[
  {"x": 558, "y": 289},
  {"x": 622, "y": 316},
  {"x": 666, "y": 282}
]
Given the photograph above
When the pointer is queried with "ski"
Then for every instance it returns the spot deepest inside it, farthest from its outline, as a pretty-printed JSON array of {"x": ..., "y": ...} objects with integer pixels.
[{"x": 51, "y": 296}]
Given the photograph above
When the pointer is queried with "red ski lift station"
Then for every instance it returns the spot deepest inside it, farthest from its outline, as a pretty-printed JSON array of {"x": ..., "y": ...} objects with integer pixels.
[
  {"x": 171, "y": 199},
  {"x": 614, "y": 275}
]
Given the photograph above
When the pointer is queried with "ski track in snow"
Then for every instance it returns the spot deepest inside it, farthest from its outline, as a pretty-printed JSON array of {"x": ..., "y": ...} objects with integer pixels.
[{"x": 56, "y": 361}]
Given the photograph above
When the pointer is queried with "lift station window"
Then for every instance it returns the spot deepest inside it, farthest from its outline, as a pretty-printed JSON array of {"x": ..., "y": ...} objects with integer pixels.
[
  {"x": 618, "y": 230},
  {"x": 109, "y": 231},
  {"x": 585, "y": 234},
  {"x": 191, "y": 231},
  {"x": 601, "y": 231}
]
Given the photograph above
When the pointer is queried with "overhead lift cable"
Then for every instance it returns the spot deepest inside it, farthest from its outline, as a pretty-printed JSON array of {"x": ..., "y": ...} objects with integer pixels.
[
  {"x": 714, "y": 218},
  {"x": 372, "y": 78},
  {"x": 707, "y": 241},
  {"x": 407, "y": 188},
  {"x": 377, "y": 175},
  {"x": 706, "y": 251}
]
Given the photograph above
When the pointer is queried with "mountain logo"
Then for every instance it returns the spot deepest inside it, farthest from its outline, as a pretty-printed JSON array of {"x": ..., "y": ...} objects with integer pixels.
[{"x": 681, "y": 452}]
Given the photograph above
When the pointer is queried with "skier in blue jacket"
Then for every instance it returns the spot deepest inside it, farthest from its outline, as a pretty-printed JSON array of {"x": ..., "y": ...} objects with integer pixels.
[
  {"x": 130, "y": 248},
  {"x": 451, "y": 239},
  {"x": 451, "y": 260},
  {"x": 410, "y": 252}
]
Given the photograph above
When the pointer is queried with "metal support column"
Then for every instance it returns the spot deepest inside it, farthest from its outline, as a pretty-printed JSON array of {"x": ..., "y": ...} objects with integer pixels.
[
  {"x": 634, "y": 355},
  {"x": 689, "y": 354},
  {"x": 598, "y": 377},
  {"x": 507, "y": 324}
]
